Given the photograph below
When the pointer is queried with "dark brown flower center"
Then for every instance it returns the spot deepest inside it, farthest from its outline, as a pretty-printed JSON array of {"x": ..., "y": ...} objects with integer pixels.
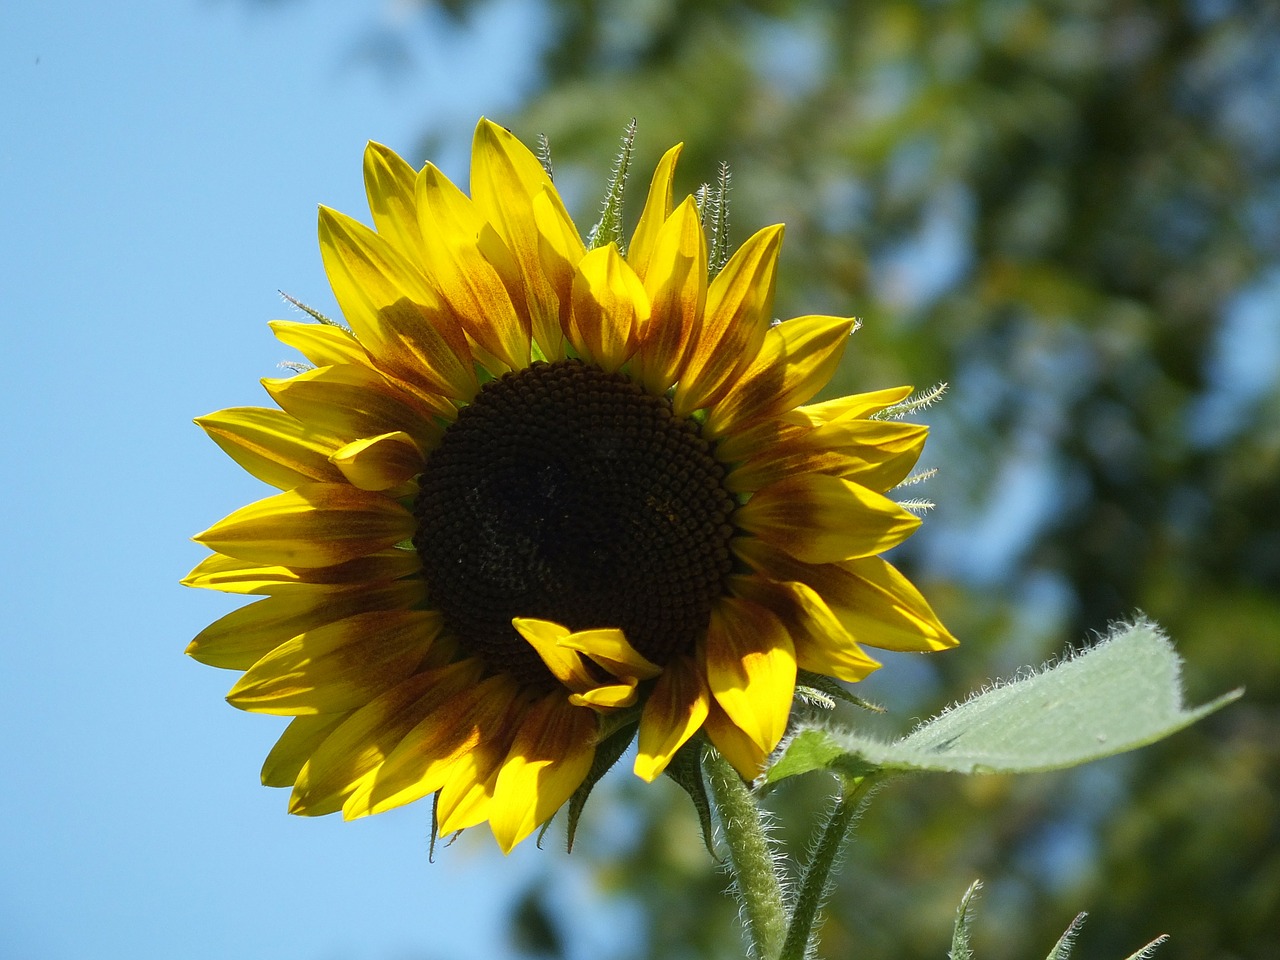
[{"x": 569, "y": 494}]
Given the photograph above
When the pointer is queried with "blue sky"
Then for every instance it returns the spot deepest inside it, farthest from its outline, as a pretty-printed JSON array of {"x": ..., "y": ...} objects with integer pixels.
[{"x": 160, "y": 166}]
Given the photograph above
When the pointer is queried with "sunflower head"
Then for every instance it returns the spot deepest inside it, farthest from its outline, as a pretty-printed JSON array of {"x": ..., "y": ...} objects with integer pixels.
[{"x": 536, "y": 494}]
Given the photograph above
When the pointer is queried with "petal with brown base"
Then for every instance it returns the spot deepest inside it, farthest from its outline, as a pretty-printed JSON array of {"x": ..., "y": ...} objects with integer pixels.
[
  {"x": 751, "y": 668},
  {"x": 354, "y": 402},
  {"x": 821, "y": 519},
  {"x": 243, "y": 637},
  {"x": 232, "y": 575},
  {"x": 312, "y": 525},
  {"x": 676, "y": 284},
  {"x": 371, "y": 733},
  {"x": 394, "y": 312},
  {"x": 548, "y": 760},
  {"x": 609, "y": 307},
  {"x": 674, "y": 712},
  {"x": 338, "y": 666},
  {"x": 273, "y": 446},
  {"x": 875, "y": 603},
  {"x": 795, "y": 361},
  {"x": 736, "y": 318}
]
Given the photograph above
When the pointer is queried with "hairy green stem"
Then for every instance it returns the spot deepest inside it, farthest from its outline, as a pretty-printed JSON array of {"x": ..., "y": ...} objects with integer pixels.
[
  {"x": 814, "y": 887},
  {"x": 750, "y": 857}
]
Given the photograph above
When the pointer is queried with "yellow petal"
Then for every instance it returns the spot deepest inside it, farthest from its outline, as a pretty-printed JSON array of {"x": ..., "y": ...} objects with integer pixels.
[
  {"x": 446, "y": 215},
  {"x": 371, "y": 733},
  {"x": 545, "y": 637},
  {"x": 299, "y": 741},
  {"x": 470, "y": 280},
  {"x": 657, "y": 208},
  {"x": 822, "y": 643},
  {"x": 676, "y": 282},
  {"x": 611, "y": 696},
  {"x": 858, "y": 405},
  {"x": 751, "y": 669},
  {"x": 273, "y": 446},
  {"x": 673, "y": 713},
  {"x": 875, "y": 454},
  {"x": 389, "y": 185},
  {"x": 548, "y": 760},
  {"x": 505, "y": 177},
  {"x": 875, "y": 603},
  {"x": 734, "y": 745},
  {"x": 321, "y": 343},
  {"x": 312, "y": 525},
  {"x": 560, "y": 247},
  {"x": 244, "y": 636},
  {"x": 738, "y": 311},
  {"x": 466, "y": 795},
  {"x": 421, "y": 764},
  {"x": 380, "y": 463},
  {"x": 610, "y": 649},
  {"x": 393, "y": 310},
  {"x": 821, "y": 519},
  {"x": 795, "y": 361},
  {"x": 232, "y": 575},
  {"x": 355, "y": 402},
  {"x": 609, "y": 306},
  {"x": 338, "y": 666}
]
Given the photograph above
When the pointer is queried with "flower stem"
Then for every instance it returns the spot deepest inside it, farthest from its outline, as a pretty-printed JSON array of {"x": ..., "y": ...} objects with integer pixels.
[
  {"x": 750, "y": 858},
  {"x": 814, "y": 886}
]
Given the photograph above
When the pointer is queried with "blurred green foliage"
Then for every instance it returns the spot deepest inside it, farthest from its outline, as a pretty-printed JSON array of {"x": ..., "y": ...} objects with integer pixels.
[{"x": 1071, "y": 211}]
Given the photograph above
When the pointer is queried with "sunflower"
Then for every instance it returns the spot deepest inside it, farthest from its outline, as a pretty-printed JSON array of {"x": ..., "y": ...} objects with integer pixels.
[{"x": 542, "y": 494}]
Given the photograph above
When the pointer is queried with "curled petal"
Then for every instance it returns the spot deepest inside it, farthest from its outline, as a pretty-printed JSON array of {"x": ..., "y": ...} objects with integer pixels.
[
  {"x": 312, "y": 525},
  {"x": 380, "y": 463},
  {"x": 545, "y": 637},
  {"x": 822, "y": 643},
  {"x": 821, "y": 519},
  {"x": 610, "y": 649}
]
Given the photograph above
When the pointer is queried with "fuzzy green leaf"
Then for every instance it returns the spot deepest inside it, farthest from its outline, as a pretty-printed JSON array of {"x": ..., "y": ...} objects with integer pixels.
[{"x": 1124, "y": 693}]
